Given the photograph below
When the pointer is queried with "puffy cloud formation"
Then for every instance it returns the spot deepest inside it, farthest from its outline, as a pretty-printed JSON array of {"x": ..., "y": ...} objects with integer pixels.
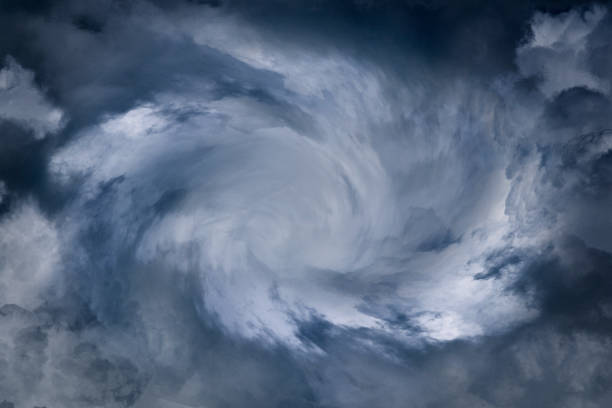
[{"x": 340, "y": 204}]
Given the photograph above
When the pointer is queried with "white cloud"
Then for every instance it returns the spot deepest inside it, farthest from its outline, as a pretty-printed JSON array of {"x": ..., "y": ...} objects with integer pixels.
[
  {"x": 267, "y": 209},
  {"x": 21, "y": 101},
  {"x": 29, "y": 256},
  {"x": 557, "y": 51}
]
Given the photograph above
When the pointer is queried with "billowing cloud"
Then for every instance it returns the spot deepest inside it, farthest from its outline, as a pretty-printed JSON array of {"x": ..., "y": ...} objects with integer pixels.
[{"x": 557, "y": 51}]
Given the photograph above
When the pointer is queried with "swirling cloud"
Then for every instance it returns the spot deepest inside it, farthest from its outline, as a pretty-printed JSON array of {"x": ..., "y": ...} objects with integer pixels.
[{"x": 209, "y": 211}]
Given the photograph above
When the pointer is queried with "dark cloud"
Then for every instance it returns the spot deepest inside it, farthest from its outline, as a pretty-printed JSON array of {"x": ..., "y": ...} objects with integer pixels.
[{"x": 306, "y": 204}]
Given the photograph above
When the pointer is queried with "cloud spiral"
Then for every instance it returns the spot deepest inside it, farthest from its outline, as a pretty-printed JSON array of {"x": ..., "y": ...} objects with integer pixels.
[{"x": 200, "y": 209}]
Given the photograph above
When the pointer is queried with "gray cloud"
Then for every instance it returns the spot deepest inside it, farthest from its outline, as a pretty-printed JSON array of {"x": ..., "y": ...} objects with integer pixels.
[
  {"x": 357, "y": 205},
  {"x": 22, "y": 102}
]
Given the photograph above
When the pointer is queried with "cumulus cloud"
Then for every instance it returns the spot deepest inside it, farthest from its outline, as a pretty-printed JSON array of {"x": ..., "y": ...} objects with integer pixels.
[{"x": 557, "y": 52}]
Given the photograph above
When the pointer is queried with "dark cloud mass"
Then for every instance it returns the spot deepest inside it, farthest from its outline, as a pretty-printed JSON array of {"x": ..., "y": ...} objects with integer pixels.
[{"x": 305, "y": 204}]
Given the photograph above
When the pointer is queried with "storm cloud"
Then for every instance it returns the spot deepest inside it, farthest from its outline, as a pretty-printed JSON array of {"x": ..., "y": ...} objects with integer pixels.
[{"x": 305, "y": 204}]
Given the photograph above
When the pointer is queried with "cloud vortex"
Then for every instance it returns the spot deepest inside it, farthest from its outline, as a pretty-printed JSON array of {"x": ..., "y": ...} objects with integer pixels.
[{"x": 360, "y": 205}]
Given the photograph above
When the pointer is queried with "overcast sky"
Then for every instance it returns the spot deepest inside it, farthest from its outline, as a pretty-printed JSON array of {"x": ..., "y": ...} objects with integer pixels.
[{"x": 292, "y": 203}]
